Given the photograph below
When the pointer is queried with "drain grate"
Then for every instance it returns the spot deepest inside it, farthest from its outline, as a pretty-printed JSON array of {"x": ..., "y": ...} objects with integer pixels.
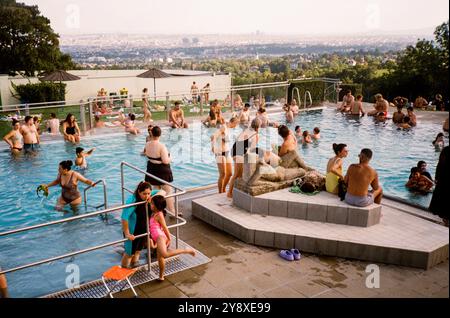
[{"x": 96, "y": 289}]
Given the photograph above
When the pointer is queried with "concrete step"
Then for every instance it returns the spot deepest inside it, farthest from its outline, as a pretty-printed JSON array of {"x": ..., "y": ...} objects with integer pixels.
[{"x": 399, "y": 238}]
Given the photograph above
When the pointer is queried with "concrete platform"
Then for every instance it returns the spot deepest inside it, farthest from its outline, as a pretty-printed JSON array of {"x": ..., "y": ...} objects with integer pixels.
[
  {"x": 399, "y": 238},
  {"x": 323, "y": 207}
]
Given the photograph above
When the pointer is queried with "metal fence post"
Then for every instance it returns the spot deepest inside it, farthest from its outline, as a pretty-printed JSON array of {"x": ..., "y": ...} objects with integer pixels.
[
  {"x": 149, "y": 254},
  {"x": 91, "y": 122},
  {"x": 131, "y": 103},
  {"x": 27, "y": 110},
  {"x": 82, "y": 116},
  {"x": 201, "y": 106},
  {"x": 167, "y": 105}
]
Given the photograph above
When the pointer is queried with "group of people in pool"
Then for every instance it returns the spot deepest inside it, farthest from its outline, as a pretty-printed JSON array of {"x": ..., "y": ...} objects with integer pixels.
[{"x": 354, "y": 107}]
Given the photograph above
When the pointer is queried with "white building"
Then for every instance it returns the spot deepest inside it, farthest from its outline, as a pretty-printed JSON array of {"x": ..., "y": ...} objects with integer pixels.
[{"x": 112, "y": 81}]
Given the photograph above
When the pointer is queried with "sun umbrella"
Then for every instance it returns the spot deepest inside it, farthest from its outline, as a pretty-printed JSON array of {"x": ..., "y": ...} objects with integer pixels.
[
  {"x": 154, "y": 73},
  {"x": 59, "y": 76}
]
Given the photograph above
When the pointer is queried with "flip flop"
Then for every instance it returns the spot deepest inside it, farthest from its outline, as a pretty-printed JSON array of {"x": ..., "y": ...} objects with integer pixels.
[
  {"x": 287, "y": 255},
  {"x": 296, "y": 253}
]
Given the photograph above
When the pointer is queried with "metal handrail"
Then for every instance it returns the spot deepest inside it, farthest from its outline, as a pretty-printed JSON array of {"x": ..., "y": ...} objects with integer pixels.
[
  {"x": 295, "y": 89},
  {"x": 308, "y": 94},
  {"x": 48, "y": 260},
  {"x": 175, "y": 195},
  {"x": 105, "y": 200}
]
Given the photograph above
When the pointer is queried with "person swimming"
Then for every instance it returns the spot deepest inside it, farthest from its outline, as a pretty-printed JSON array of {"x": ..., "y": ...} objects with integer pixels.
[{"x": 80, "y": 160}]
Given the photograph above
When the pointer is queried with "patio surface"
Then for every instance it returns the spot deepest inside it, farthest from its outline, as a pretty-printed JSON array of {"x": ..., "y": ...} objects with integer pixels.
[{"x": 241, "y": 270}]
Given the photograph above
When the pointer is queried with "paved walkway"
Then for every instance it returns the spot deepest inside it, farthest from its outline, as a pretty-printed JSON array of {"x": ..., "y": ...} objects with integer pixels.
[{"x": 246, "y": 271}]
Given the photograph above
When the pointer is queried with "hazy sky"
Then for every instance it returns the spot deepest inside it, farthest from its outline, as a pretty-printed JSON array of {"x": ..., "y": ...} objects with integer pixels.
[{"x": 241, "y": 16}]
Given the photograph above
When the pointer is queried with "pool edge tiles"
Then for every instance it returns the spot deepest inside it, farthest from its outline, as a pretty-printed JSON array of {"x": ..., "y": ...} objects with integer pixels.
[{"x": 389, "y": 242}]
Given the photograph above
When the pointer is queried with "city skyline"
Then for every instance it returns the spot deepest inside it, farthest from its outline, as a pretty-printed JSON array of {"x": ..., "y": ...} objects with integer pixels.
[{"x": 353, "y": 17}]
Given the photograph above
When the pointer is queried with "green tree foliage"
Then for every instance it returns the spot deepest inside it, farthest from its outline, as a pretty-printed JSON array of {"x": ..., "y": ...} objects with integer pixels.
[
  {"x": 27, "y": 42},
  {"x": 40, "y": 92}
]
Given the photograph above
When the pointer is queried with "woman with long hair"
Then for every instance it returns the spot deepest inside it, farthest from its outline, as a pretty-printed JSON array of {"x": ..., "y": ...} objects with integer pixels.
[{"x": 71, "y": 130}]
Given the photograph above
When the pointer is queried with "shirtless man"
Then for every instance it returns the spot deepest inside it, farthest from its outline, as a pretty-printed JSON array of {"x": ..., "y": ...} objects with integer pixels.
[
  {"x": 358, "y": 178},
  {"x": 176, "y": 117},
  {"x": 381, "y": 105},
  {"x": 289, "y": 140},
  {"x": 398, "y": 116},
  {"x": 30, "y": 135},
  {"x": 357, "y": 108},
  {"x": 412, "y": 117},
  {"x": 244, "y": 116},
  {"x": 347, "y": 102},
  {"x": 420, "y": 103}
]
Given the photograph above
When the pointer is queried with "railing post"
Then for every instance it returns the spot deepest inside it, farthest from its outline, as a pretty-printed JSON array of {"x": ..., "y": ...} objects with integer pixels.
[
  {"x": 167, "y": 105},
  {"x": 27, "y": 110},
  {"x": 201, "y": 106},
  {"x": 82, "y": 116},
  {"x": 149, "y": 254},
  {"x": 121, "y": 183},
  {"x": 231, "y": 100},
  {"x": 91, "y": 122},
  {"x": 177, "y": 232},
  {"x": 131, "y": 103}
]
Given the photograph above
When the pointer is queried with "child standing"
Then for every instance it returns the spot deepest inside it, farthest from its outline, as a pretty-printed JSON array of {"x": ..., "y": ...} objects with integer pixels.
[{"x": 160, "y": 234}]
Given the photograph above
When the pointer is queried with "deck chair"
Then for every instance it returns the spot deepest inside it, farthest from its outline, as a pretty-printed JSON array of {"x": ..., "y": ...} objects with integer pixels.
[{"x": 118, "y": 274}]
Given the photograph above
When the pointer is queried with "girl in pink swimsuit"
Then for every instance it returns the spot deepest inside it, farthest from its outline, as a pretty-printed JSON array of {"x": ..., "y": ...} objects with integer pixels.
[{"x": 160, "y": 234}]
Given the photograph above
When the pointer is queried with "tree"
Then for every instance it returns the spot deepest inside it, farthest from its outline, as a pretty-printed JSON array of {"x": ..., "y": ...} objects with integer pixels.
[{"x": 27, "y": 41}]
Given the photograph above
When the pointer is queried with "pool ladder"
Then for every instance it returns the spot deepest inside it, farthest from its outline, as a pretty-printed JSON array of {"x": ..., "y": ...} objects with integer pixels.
[
  {"x": 307, "y": 96},
  {"x": 104, "y": 205}
]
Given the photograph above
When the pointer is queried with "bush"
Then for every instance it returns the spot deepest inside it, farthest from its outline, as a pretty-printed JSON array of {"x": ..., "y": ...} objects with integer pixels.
[{"x": 40, "y": 92}]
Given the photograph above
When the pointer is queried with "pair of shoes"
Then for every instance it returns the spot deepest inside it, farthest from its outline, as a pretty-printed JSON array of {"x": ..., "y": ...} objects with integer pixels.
[{"x": 290, "y": 255}]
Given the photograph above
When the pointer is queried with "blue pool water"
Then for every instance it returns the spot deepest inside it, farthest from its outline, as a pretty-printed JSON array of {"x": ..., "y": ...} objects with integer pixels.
[{"x": 395, "y": 152}]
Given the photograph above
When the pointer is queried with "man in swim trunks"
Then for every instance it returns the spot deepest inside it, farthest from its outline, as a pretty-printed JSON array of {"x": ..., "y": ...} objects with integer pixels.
[
  {"x": 30, "y": 135},
  {"x": 358, "y": 179},
  {"x": 381, "y": 105},
  {"x": 176, "y": 117}
]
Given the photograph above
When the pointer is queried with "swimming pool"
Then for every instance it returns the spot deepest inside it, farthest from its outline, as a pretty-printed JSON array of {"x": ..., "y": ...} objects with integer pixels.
[{"x": 395, "y": 152}]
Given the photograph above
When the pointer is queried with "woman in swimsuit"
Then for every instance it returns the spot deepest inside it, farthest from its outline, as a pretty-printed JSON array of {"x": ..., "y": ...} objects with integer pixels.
[
  {"x": 68, "y": 180},
  {"x": 146, "y": 106},
  {"x": 134, "y": 223},
  {"x": 220, "y": 147},
  {"x": 247, "y": 140},
  {"x": 334, "y": 168},
  {"x": 158, "y": 165},
  {"x": 14, "y": 138},
  {"x": 71, "y": 130},
  {"x": 160, "y": 234}
]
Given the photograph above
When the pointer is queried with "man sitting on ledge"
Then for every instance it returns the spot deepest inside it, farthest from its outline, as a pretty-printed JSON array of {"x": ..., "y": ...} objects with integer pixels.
[{"x": 358, "y": 178}]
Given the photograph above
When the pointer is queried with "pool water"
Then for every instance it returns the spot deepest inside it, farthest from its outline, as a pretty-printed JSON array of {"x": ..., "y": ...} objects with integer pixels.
[{"x": 395, "y": 152}]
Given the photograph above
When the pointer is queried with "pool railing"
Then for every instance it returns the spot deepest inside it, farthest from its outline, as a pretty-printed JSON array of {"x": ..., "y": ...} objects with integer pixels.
[{"x": 179, "y": 222}]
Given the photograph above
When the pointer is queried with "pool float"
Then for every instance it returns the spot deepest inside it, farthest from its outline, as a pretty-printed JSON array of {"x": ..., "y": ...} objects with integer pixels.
[{"x": 42, "y": 188}]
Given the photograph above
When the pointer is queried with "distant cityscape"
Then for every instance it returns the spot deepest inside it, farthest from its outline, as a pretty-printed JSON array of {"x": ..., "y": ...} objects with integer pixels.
[{"x": 116, "y": 50}]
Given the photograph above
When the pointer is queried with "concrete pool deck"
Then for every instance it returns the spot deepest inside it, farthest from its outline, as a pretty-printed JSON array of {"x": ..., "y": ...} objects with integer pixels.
[{"x": 241, "y": 270}]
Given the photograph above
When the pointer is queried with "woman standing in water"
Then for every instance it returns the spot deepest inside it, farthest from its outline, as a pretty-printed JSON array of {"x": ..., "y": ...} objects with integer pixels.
[
  {"x": 220, "y": 146},
  {"x": 248, "y": 139},
  {"x": 68, "y": 180},
  {"x": 158, "y": 164},
  {"x": 14, "y": 138}
]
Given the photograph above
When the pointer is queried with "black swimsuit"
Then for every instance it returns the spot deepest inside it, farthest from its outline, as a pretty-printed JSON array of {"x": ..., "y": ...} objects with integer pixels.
[
  {"x": 160, "y": 170},
  {"x": 70, "y": 130},
  {"x": 240, "y": 148}
]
